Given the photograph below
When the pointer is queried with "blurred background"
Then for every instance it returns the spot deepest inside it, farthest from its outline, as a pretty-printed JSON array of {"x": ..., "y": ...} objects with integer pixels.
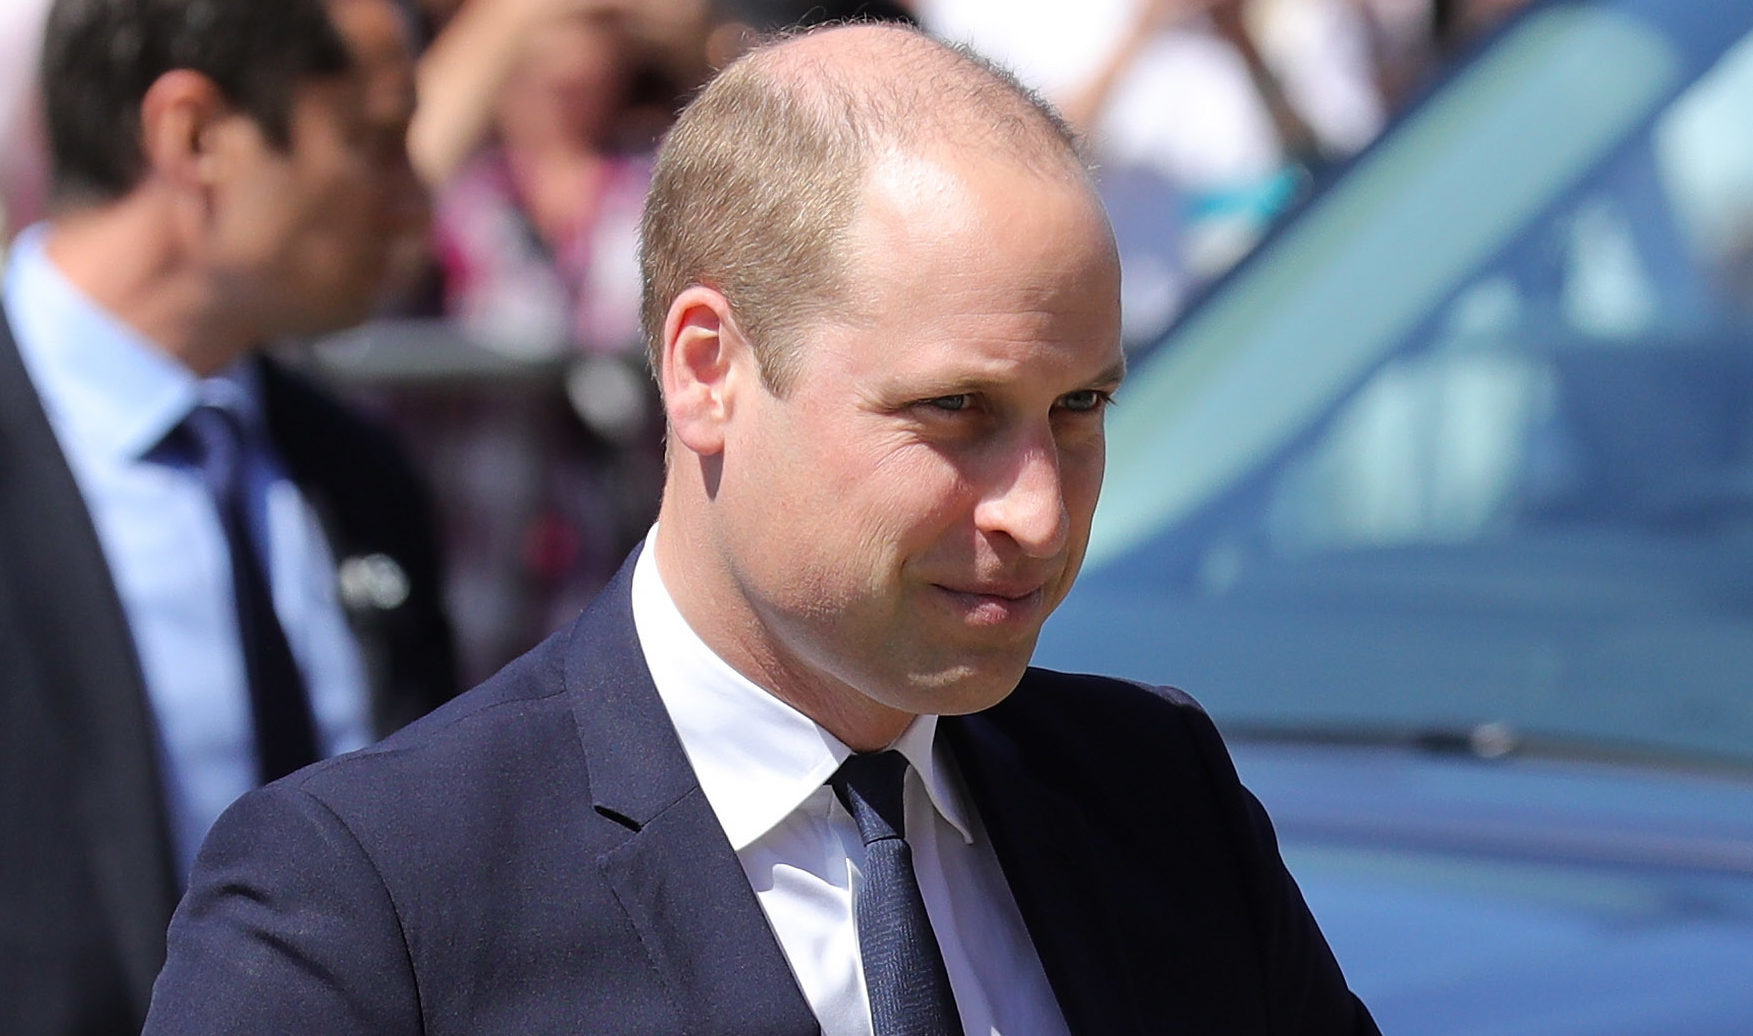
[
  {"x": 1433, "y": 478},
  {"x": 509, "y": 355}
]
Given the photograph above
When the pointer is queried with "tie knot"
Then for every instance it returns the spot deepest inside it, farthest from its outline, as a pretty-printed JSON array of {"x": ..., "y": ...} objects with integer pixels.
[
  {"x": 215, "y": 435},
  {"x": 869, "y": 786}
]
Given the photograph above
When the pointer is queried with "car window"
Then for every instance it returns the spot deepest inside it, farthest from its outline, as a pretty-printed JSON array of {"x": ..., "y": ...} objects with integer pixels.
[
  {"x": 1473, "y": 442},
  {"x": 1597, "y": 373},
  {"x": 1342, "y": 289}
]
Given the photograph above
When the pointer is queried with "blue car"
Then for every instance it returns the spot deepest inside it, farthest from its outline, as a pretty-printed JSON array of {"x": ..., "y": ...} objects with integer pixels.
[{"x": 1442, "y": 504}]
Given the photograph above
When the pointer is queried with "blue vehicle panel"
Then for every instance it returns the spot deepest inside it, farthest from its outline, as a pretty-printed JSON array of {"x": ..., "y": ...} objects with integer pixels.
[{"x": 1442, "y": 503}]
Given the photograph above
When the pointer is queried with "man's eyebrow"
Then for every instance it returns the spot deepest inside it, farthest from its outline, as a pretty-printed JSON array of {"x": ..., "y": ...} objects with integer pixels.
[
  {"x": 962, "y": 384},
  {"x": 1114, "y": 375}
]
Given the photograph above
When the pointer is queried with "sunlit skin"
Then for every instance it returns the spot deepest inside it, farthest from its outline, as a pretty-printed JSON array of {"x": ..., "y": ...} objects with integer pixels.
[{"x": 886, "y": 537}]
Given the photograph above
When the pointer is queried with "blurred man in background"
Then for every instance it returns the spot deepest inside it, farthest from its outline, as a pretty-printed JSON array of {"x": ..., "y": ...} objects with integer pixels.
[{"x": 210, "y": 573}]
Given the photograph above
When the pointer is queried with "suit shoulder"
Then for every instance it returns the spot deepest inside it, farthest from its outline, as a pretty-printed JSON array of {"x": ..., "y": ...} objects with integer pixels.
[
  {"x": 289, "y": 391},
  {"x": 325, "y": 439},
  {"x": 506, "y": 726},
  {"x": 518, "y": 731},
  {"x": 1049, "y": 696},
  {"x": 1100, "y": 732}
]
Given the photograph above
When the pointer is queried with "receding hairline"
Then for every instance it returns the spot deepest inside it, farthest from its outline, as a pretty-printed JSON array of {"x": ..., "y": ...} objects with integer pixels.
[
  {"x": 759, "y": 183},
  {"x": 913, "y": 92}
]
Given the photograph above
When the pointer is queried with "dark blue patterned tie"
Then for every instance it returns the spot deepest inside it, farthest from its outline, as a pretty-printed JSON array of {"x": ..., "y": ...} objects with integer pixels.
[
  {"x": 909, "y": 989},
  {"x": 280, "y": 709}
]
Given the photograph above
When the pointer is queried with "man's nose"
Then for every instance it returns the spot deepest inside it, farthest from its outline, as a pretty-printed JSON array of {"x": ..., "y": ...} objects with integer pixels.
[{"x": 1025, "y": 500}]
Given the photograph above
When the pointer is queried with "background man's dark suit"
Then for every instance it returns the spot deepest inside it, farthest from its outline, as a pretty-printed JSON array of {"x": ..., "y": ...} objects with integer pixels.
[
  {"x": 86, "y": 882},
  {"x": 538, "y": 857}
]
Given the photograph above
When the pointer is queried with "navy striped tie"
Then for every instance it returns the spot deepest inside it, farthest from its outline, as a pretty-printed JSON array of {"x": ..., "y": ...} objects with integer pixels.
[
  {"x": 909, "y": 989},
  {"x": 280, "y": 709}
]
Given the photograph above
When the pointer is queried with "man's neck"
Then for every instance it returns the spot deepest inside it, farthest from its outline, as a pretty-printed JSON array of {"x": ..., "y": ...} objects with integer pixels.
[
  {"x": 123, "y": 257},
  {"x": 734, "y": 634}
]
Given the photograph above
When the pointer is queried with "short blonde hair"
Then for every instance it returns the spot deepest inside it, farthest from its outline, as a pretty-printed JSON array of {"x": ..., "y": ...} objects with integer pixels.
[{"x": 758, "y": 185}]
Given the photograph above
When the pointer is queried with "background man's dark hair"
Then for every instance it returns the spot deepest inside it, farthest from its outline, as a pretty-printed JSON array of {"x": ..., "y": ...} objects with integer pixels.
[{"x": 100, "y": 56}]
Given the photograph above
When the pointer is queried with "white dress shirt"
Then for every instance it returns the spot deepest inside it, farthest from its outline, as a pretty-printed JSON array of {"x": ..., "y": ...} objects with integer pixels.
[
  {"x": 112, "y": 397},
  {"x": 763, "y": 766}
]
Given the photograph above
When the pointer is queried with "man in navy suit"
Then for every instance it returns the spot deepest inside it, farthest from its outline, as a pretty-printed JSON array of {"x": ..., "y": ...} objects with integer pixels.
[
  {"x": 883, "y": 307},
  {"x": 228, "y": 173}
]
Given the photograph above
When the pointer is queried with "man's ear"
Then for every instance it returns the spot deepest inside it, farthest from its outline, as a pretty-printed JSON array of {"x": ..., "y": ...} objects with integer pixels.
[
  {"x": 706, "y": 362},
  {"x": 182, "y": 118}
]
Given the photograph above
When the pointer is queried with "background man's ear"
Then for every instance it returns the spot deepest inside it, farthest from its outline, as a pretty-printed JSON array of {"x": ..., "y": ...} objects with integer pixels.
[
  {"x": 706, "y": 362},
  {"x": 182, "y": 118}
]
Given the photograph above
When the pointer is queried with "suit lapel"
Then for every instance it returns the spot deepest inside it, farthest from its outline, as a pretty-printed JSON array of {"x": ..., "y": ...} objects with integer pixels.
[
  {"x": 374, "y": 519},
  {"x": 675, "y": 874},
  {"x": 75, "y": 626},
  {"x": 1059, "y": 868}
]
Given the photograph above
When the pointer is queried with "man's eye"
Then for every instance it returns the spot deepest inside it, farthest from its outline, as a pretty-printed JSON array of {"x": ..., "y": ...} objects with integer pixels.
[
  {"x": 1086, "y": 400},
  {"x": 951, "y": 404}
]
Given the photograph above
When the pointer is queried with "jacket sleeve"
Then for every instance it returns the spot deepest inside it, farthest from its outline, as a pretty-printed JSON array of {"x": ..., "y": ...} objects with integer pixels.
[
  {"x": 287, "y": 927},
  {"x": 1307, "y": 992}
]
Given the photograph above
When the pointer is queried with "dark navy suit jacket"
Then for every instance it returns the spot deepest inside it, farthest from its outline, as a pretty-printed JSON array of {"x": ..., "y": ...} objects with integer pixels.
[
  {"x": 87, "y": 885},
  {"x": 537, "y": 857}
]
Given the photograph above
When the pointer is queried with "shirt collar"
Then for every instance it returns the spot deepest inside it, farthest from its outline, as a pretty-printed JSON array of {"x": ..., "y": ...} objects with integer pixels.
[
  {"x": 757, "y": 759},
  {"x": 107, "y": 388}
]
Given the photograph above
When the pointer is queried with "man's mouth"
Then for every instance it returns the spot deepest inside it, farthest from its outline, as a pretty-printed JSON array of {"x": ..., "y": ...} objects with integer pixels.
[{"x": 995, "y": 604}]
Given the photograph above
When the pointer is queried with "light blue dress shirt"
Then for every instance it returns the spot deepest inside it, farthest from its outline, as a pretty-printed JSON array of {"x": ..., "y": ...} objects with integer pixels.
[{"x": 112, "y": 397}]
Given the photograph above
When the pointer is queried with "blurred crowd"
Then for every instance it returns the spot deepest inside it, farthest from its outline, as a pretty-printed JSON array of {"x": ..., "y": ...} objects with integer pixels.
[{"x": 534, "y": 131}]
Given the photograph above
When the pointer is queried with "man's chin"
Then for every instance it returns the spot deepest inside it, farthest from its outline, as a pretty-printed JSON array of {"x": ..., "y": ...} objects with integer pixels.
[{"x": 967, "y": 686}]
